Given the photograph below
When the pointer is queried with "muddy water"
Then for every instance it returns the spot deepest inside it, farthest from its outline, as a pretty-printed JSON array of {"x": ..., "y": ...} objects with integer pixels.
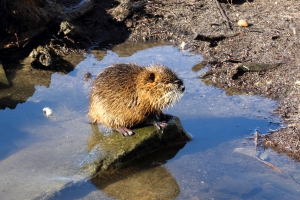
[{"x": 40, "y": 156}]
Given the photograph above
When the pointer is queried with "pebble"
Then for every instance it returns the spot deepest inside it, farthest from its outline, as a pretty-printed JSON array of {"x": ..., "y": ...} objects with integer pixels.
[
  {"x": 184, "y": 46},
  {"x": 243, "y": 23}
]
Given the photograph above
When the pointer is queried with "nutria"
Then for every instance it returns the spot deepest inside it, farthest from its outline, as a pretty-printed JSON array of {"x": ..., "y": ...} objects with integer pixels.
[{"x": 126, "y": 95}]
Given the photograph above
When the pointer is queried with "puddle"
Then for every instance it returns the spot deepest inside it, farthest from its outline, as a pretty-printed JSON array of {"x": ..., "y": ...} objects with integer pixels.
[{"x": 40, "y": 156}]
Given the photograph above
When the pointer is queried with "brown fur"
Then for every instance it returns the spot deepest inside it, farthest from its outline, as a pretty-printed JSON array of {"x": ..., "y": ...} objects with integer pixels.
[{"x": 125, "y": 95}]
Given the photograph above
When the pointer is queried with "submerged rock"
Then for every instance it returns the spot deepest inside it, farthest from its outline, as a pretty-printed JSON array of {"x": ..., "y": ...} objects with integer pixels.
[{"x": 111, "y": 149}]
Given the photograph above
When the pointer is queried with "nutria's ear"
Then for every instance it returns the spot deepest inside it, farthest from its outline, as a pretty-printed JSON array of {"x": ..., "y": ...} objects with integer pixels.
[{"x": 151, "y": 77}]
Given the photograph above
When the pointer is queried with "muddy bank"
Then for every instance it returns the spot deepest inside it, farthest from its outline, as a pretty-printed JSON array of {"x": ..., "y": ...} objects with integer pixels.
[{"x": 210, "y": 28}]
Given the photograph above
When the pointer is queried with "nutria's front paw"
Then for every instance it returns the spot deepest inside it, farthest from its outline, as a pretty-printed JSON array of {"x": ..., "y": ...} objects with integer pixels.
[
  {"x": 125, "y": 131},
  {"x": 160, "y": 125}
]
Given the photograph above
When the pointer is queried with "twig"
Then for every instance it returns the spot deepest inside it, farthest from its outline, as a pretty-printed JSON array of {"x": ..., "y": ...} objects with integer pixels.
[
  {"x": 17, "y": 40},
  {"x": 15, "y": 44},
  {"x": 288, "y": 46},
  {"x": 257, "y": 67},
  {"x": 223, "y": 14},
  {"x": 269, "y": 165},
  {"x": 256, "y": 136},
  {"x": 66, "y": 107}
]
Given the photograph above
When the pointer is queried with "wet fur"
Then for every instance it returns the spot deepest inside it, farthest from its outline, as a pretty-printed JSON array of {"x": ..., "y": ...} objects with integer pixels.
[{"x": 127, "y": 94}]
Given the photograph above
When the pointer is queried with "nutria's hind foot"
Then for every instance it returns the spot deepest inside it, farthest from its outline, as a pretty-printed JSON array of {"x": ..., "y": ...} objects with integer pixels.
[{"x": 125, "y": 131}]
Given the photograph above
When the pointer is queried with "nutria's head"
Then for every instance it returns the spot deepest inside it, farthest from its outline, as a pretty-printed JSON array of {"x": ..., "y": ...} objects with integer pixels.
[{"x": 159, "y": 86}]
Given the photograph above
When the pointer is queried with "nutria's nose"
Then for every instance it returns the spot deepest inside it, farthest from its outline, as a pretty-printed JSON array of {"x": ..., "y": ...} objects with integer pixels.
[{"x": 180, "y": 85}]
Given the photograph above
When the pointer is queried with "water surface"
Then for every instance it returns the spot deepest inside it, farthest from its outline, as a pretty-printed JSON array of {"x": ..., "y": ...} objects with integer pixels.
[{"x": 40, "y": 156}]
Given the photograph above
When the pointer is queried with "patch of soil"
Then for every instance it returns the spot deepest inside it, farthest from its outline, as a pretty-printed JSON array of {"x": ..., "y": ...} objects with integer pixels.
[{"x": 262, "y": 58}]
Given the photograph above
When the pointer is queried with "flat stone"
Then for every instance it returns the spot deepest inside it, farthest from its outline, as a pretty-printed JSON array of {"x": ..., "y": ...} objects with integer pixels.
[{"x": 109, "y": 148}]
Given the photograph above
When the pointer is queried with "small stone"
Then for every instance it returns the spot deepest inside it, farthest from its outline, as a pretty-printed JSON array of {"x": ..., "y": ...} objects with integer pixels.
[
  {"x": 40, "y": 55},
  {"x": 292, "y": 28},
  {"x": 184, "y": 46},
  {"x": 243, "y": 23},
  {"x": 297, "y": 83},
  {"x": 269, "y": 82}
]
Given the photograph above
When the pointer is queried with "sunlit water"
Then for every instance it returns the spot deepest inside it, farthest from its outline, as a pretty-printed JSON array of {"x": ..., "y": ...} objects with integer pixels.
[{"x": 40, "y": 156}]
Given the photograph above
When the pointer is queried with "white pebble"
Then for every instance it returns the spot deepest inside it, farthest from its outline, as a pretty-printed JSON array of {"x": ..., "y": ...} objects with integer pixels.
[
  {"x": 47, "y": 111},
  {"x": 243, "y": 23},
  {"x": 184, "y": 46}
]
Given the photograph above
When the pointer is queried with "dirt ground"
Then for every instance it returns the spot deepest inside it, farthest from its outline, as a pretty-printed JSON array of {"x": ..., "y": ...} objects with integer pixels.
[{"x": 262, "y": 58}]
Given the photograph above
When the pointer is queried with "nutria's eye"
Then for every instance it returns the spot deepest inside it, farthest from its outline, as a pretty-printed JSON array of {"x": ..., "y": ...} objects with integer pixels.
[{"x": 151, "y": 77}]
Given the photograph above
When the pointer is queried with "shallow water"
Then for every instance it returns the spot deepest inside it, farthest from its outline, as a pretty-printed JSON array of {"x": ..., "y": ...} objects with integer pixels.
[{"x": 40, "y": 156}]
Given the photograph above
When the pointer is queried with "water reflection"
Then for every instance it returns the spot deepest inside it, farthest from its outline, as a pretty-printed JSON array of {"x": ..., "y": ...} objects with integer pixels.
[
  {"x": 23, "y": 78},
  {"x": 147, "y": 183}
]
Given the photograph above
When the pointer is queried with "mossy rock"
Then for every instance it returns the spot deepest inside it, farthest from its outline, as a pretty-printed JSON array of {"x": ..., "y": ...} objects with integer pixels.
[{"x": 111, "y": 149}]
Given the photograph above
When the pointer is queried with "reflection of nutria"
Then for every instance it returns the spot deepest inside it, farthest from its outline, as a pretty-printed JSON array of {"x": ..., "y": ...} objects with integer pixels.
[{"x": 125, "y": 95}]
